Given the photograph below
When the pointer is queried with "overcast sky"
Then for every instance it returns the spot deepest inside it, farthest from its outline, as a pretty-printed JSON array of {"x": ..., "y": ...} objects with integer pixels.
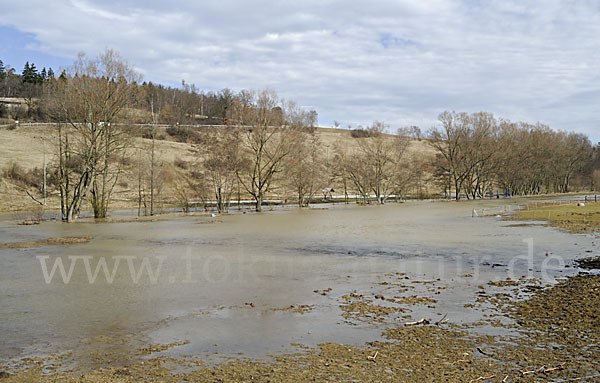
[{"x": 402, "y": 62}]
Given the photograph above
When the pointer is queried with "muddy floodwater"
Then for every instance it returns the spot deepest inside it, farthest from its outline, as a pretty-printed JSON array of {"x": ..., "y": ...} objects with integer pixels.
[{"x": 254, "y": 285}]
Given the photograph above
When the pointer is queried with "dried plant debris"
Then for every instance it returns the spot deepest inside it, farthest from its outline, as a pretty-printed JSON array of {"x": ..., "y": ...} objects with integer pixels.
[
  {"x": 299, "y": 309},
  {"x": 150, "y": 349}
]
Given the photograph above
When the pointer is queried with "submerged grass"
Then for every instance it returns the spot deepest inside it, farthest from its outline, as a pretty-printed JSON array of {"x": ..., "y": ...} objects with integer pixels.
[{"x": 44, "y": 242}]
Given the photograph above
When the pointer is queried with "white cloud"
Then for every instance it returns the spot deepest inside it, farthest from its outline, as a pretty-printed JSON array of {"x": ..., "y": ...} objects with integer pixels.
[{"x": 398, "y": 61}]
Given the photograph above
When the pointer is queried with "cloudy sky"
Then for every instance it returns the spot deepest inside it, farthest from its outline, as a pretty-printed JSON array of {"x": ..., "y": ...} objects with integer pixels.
[{"x": 402, "y": 62}]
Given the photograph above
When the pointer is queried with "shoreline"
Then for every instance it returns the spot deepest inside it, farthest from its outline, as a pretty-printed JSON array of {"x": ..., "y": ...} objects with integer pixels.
[
  {"x": 421, "y": 350},
  {"x": 248, "y": 206}
]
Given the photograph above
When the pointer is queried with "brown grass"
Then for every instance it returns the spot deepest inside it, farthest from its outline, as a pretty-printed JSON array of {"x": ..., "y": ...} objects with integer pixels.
[
  {"x": 570, "y": 217},
  {"x": 24, "y": 148}
]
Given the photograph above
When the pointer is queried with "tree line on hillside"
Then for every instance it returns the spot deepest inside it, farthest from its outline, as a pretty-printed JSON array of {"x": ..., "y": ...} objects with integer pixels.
[
  {"x": 268, "y": 146},
  {"x": 28, "y": 85},
  {"x": 160, "y": 104},
  {"x": 13, "y": 84}
]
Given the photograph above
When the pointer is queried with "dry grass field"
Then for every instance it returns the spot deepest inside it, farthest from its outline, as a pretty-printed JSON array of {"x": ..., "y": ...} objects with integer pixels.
[{"x": 24, "y": 146}]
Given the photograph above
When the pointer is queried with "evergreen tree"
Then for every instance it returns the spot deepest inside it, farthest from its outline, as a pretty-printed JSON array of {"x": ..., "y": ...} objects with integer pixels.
[
  {"x": 26, "y": 75},
  {"x": 63, "y": 75},
  {"x": 30, "y": 74},
  {"x": 2, "y": 70},
  {"x": 26, "y": 72},
  {"x": 50, "y": 73},
  {"x": 43, "y": 74}
]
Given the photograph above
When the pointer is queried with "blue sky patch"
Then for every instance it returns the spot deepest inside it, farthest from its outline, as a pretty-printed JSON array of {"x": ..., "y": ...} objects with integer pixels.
[{"x": 16, "y": 48}]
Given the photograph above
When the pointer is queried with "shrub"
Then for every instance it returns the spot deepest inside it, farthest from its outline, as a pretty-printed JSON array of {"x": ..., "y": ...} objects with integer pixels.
[
  {"x": 17, "y": 174},
  {"x": 147, "y": 133},
  {"x": 7, "y": 122},
  {"x": 181, "y": 134},
  {"x": 360, "y": 133},
  {"x": 180, "y": 163},
  {"x": 31, "y": 178},
  {"x": 20, "y": 113}
]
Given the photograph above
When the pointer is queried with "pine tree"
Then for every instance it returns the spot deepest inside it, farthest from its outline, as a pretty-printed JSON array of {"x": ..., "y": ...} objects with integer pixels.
[
  {"x": 35, "y": 75},
  {"x": 34, "y": 71},
  {"x": 30, "y": 74},
  {"x": 26, "y": 72},
  {"x": 50, "y": 73},
  {"x": 43, "y": 74}
]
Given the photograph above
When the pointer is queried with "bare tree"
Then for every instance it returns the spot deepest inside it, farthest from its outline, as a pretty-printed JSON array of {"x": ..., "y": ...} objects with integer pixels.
[
  {"x": 149, "y": 167},
  {"x": 354, "y": 170},
  {"x": 267, "y": 141},
  {"x": 185, "y": 189},
  {"x": 375, "y": 164},
  {"x": 305, "y": 168},
  {"x": 221, "y": 160},
  {"x": 88, "y": 102},
  {"x": 575, "y": 151},
  {"x": 481, "y": 147},
  {"x": 479, "y": 153},
  {"x": 412, "y": 174},
  {"x": 339, "y": 168},
  {"x": 455, "y": 145}
]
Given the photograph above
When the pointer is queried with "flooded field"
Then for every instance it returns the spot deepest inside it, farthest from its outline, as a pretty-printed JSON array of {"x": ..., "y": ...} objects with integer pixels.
[{"x": 255, "y": 285}]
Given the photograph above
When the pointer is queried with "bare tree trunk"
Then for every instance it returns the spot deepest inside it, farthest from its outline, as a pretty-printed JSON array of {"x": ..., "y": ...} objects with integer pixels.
[
  {"x": 239, "y": 202},
  {"x": 259, "y": 202},
  {"x": 152, "y": 177},
  {"x": 346, "y": 191}
]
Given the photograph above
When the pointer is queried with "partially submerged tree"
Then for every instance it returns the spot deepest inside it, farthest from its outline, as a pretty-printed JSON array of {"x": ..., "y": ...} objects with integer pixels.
[
  {"x": 305, "y": 168},
  {"x": 449, "y": 142},
  {"x": 221, "y": 160},
  {"x": 466, "y": 147},
  {"x": 268, "y": 139},
  {"x": 375, "y": 165},
  {"x": 476, "y": 153},
  {"x": 91, "y": 148},
  {"x": 149, "y": 167}
]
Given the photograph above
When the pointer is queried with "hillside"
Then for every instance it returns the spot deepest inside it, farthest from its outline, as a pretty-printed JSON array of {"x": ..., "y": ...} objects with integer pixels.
[{"x": 23, "y": 146}]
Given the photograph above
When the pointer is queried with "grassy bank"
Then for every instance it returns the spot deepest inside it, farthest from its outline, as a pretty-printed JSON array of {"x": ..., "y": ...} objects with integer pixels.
[{"x": 570, "y": 217}]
